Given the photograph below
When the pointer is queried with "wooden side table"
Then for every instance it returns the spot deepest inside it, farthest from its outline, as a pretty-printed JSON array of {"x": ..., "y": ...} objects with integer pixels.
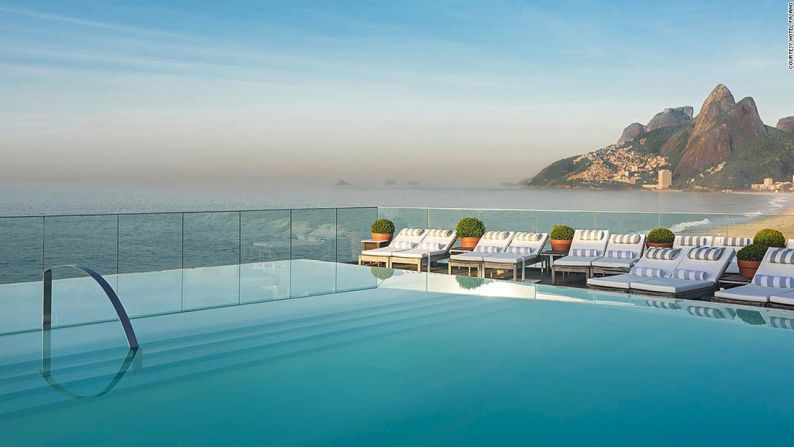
[
  {"x": 549, "y": 256},
  {"x": 370, "y": 244},
  {"x": 729, "y": 280}
]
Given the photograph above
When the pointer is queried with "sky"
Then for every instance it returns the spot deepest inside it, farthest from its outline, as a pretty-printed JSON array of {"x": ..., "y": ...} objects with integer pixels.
[{"x": 444, "y": 93}]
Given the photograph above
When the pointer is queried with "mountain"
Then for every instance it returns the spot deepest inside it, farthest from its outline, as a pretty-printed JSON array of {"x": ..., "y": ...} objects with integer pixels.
[{"x": 725, "y": 146}]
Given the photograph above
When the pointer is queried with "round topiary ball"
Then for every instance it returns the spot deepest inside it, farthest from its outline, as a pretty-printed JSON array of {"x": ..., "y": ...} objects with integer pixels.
[
  {"x": 561, "y": 233},
  {"x": 769, "y": 238}
]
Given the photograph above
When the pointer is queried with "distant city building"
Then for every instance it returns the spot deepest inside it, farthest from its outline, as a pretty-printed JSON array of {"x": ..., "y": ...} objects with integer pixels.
[
  {"x": 769, "y": 183},
  {"x": 665, "y": 179}
]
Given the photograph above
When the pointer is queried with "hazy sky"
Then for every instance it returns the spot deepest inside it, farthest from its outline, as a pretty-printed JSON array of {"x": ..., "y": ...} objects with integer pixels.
[{"x": 440, "y": 92}]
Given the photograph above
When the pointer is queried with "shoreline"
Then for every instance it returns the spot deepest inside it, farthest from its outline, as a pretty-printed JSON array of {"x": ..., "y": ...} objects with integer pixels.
[{"x": 783, "y": 222}]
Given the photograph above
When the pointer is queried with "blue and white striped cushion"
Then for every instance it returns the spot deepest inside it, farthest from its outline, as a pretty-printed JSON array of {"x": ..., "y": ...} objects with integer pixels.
[
  {"x": 647, "y": 272},
  {"x": 590, "y": 235},
  {"x": 621, "y": 254},
  {"x": 439, "y": 233},
  {"x": 412, "y": 231},
  {"x": 589, "y": 252},
  {"x": 495, "y": 235},
  {"x": 528, "y": 237},
  {"x": 774, "y": 281},
  {"x": 691, "y": 241},
  {"x": 486, "y": 249},
  {"x": 689, "y": 275},
  {"x": 405, "y": 245},
  {"x": 782, "y": 256},
  {"x": 706, "y": 253},
  {"x": 626, "y": 239},
  {"x": 736, "y": 241},
  {"x": 665, "y": 254},
  {"x": 430, "y": 246},
  {"x": 520, "y": 250}
]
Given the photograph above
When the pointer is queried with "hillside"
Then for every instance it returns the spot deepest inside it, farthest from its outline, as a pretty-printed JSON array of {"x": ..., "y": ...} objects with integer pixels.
[{"x": 725, "y": 146}]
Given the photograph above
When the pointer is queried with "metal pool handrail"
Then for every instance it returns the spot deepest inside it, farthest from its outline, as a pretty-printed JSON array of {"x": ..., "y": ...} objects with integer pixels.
[{"x": 46, "y": 317}]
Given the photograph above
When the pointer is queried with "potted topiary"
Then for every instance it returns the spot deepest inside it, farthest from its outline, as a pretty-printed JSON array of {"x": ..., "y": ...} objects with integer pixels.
[
  {"x": 769, "y": 238},
  {"x": 561, "y": 237},
  {"x": 470, "y": 230},
  {"x": 660, "y": 238},
  {"x": 382, "y": 230},
  {"x": 749, "y": 258}
]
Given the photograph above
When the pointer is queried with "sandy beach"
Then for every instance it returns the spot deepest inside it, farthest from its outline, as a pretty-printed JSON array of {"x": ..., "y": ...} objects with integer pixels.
[{"x": 783, "y": 222}]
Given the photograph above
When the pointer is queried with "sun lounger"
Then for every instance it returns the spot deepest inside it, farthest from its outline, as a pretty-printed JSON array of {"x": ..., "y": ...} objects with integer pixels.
[
  {"x": 737, "y": 243},
  {"x": 524, "y": 250},
  {"x": 775, "y": 277},
  {"x": 434, "y": 247},
  {"x": 491, "y": 242},
  {"x": 692, "y": 241},
  {"x": 623, "y": 251},
  {"x": 586, "y": 247},
  {"x": 406, "y": 239},
  {"x": 655, "y": 260},
  {"x": 695, "y": 276}
]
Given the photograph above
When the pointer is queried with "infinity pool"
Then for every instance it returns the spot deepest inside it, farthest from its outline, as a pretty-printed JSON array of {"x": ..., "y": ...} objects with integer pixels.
[{"x": 415, "y": 359}]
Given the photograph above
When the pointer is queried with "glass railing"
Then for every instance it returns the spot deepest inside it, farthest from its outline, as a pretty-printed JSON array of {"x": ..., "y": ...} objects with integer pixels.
[
  {"x": 131, "y": 243},
  {"x": 134, "y": 243}
]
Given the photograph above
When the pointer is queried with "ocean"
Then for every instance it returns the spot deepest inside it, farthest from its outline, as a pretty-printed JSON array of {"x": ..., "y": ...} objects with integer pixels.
[{"x": 32, "y": 200}]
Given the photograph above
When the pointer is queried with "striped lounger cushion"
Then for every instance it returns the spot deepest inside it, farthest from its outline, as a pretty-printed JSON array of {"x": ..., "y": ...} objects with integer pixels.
[
  {"x": 626, "y": 239},
  {"x": 588, "y": 252},
  {"x": 411, "y": 231},
  {"x": 664, "y": 254},
  {"x": 528, "y": 237},
  {"x": 439, "y": 233},
  {"x": 692, "y": 241},
  {"x": 647, "y": 272},
  {"x": 706, "y": 253},
  {"x": 521, "y": 250},
  {"x": 495, "y": 235},
  {"x": 689, "y": 275},
  {"x": 782, "y": 256},
  {"x": 407, "y": 245},
  {"x": 737, "y": 241},
  {"x": 774, "y": 281},
  {"x": 591, "y": 235},
  {"x": 621, "y": 254},
  {"x": 430, "y": 246},
  {"x": 486, "y": 249}
]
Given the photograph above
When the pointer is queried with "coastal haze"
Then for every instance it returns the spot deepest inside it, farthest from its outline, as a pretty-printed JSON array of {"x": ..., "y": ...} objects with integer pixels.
[{"x": 443, "y": 94}]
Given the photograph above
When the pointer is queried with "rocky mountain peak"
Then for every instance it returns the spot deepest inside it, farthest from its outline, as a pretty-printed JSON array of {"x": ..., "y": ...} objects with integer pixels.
[
  {"x": 786, "y": 124},
  {"x": 670, "y": 117},
  {"x": 631, "y": 132}
]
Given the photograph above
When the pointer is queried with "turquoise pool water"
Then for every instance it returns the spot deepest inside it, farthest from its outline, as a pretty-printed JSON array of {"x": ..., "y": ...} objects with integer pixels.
[{"x": 415, "y": 359}]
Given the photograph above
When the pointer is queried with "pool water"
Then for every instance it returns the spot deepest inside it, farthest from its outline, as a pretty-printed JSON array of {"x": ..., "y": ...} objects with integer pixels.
[{"x": 403, "y": 366}]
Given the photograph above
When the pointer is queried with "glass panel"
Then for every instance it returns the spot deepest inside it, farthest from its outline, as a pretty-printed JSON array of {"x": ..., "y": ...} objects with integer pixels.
[
  {"x": 79, "y": 299},
  {"x": 695, "y": 224},
  {"x": 352, "y": 227},
  {"x": 150, "y": 293},
  {"x": 264, "y": 281},
  {"x": 405, "y": 217},
  {"x": 265, "y": 235},
  {"x": 749, "y": 224},
  {"x": 353, "y": 277},
  {"x": 314, "y": 234},
  {"x": 21, "y": 242},
  {"x": 150, "y": 242},
  {"x": 86, "y": 240},
  {"x": 619, "y": 223},
  {"x": 211, "y": 239},
  {"x": 211, "y": 287},
  {"x": 21, "y": 306},
  {"x": 310, "y": 277},
  {"x": 585, "y": 220}
]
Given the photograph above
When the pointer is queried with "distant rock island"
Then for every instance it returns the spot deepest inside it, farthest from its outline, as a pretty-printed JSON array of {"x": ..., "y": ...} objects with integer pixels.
[{"x": 726, "y": 146}]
